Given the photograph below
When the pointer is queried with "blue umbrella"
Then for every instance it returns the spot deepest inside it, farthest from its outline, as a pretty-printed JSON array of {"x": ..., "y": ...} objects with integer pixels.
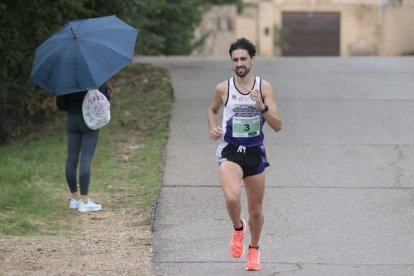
[{"x": 83, "y": 55}]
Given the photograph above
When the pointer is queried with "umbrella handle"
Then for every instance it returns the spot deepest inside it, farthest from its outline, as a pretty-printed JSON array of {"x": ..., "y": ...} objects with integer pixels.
[{"x": 73, "y": 33}]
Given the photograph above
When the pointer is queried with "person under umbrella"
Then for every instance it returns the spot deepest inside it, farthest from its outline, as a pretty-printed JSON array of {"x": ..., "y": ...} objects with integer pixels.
[
  {"x": 82, "y": 56},
  {"x": 81, "y": 147}
]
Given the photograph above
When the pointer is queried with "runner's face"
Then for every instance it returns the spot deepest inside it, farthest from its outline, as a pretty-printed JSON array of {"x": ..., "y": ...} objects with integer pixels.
[{"x": 242, "y": 62}]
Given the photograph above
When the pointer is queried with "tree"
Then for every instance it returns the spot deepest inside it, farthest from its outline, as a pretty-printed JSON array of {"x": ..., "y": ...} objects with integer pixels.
[
  {"x": 19, "y": 38},
  {"x": 167, "y": 27}
]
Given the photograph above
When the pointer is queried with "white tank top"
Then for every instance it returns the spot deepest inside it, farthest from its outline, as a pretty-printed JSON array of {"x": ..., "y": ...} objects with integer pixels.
[{"x": 242, "y": 120}]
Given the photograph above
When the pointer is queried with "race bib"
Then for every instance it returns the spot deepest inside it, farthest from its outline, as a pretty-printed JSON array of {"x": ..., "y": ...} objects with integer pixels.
[{"x": 246, "y": 126}]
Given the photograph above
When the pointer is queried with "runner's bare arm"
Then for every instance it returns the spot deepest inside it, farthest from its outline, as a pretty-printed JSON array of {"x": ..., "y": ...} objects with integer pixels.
[
  {"x": 216, "y": 103},
  {"x": 272, "y": 116}
]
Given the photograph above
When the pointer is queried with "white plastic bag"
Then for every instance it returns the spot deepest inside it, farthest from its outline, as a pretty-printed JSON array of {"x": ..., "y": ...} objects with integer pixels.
[{"x": 96, "y": 109}]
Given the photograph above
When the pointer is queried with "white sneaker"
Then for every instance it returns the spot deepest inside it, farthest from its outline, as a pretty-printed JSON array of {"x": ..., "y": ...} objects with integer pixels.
[
  {"x": 90, "y": 206},
  {"x": 74, "y": 204}
]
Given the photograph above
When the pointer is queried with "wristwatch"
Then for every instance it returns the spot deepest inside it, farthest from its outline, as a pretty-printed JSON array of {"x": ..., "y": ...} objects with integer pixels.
[{"x": 265, "y": 109}]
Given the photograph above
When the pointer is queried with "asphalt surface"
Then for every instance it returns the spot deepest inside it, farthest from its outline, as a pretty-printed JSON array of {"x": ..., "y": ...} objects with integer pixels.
[{"x": 339, "y": 192}]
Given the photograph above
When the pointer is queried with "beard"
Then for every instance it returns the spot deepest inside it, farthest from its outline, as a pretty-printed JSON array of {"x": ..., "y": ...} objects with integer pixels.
[{"x": 241, "y": 73}]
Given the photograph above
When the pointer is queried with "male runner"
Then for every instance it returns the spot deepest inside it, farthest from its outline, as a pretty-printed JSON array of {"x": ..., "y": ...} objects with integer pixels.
[{"x": 248, "y": 103}]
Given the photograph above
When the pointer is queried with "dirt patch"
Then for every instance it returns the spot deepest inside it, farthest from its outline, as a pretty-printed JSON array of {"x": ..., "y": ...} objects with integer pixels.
[{"x": 110, "y": 242}]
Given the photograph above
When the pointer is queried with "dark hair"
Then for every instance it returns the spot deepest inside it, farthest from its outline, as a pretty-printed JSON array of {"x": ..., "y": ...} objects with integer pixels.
[{"x": 245, "y": 44}]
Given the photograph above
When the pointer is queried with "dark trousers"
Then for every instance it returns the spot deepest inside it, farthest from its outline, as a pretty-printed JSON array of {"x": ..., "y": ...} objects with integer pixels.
[{"x": 82, "y": 142}]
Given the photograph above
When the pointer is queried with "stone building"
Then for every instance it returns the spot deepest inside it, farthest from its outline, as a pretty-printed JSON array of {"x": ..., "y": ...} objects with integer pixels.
[{"x": 313, "y": 27}]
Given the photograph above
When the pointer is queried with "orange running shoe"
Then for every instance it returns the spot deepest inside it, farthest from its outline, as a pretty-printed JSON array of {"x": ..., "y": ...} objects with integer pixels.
[
  {"x": 237, "y": 242},
  {"x": 253, "y": 260}
]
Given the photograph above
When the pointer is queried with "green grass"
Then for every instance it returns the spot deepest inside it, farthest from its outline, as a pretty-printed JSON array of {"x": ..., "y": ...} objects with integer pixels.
[{"x": 127, "y": 167}]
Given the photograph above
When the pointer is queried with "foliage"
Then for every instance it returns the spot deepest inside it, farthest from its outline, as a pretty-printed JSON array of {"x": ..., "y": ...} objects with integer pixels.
[
  {"x": 19, "y": 106},
  {"x": 173, "y": 35},
  {"x": 166, "y": 27},
  {"x": 280, "y": 38}
]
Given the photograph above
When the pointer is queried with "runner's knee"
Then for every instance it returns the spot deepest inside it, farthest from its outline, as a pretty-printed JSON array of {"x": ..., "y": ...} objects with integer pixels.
[{"x": 256, "y": 213}]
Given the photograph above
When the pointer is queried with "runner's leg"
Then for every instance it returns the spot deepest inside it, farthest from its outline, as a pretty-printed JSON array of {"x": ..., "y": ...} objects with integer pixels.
[
  {"x": 230, "y": 177},
  {"x": 255, "y": 187}
]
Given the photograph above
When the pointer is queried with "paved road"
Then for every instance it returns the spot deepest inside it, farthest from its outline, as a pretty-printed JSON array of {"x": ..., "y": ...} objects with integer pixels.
[{"x": 340, "y": 189}]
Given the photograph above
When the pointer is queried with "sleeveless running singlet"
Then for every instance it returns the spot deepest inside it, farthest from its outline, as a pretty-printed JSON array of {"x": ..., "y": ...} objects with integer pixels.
[{"x": 242, "y": 120}]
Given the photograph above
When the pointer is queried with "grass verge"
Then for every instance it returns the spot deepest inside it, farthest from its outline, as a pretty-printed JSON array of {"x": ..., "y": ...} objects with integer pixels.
[{"x": 126, "y": 170}]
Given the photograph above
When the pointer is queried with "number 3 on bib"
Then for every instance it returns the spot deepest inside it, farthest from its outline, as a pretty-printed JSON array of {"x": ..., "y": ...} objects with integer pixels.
[{"x": 246, "y": 127}]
